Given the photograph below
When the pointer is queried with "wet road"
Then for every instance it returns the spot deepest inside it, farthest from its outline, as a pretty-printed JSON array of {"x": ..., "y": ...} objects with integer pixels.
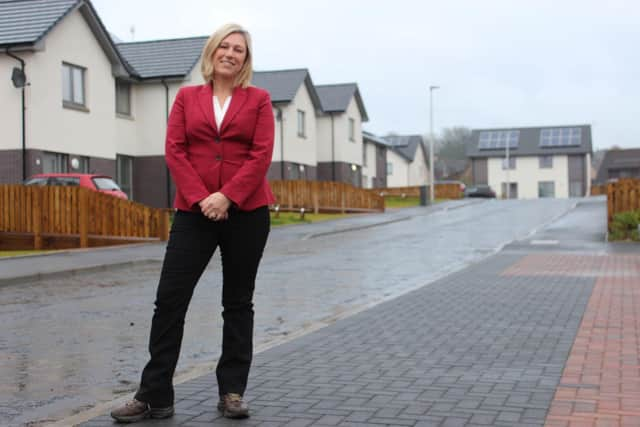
[{"x": 70, "y": 342}]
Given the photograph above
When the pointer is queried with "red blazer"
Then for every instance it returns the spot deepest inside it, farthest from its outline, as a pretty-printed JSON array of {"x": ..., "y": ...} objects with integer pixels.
[{"x": 233, "y": 159}]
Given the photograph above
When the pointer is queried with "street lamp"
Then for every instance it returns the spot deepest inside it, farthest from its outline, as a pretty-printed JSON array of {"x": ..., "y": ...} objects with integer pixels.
[{"x": 432, "y": 188}]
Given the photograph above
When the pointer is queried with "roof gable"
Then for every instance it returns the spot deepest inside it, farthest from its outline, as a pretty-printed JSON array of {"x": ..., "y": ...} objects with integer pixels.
[
  {"x": 529, "y": 142},
  {"x": 283, "y": 85},
  {"x": 25, "y": 23},
  {"x": 163, "y": 58},
  {"x": 405, "y": 145},
  {"x": 335, "y": 98}
]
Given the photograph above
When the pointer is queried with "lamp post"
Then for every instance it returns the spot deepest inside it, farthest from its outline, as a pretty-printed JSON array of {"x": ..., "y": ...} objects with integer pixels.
[{"x": 432, "y": 186}]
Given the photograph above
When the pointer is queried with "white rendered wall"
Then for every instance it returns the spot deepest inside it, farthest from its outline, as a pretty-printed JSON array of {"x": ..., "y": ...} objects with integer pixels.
[
  {"x": 349, "y": 151},
  {"x": 298, "y": 149},
  {"x": 400, "y": 175},
  {"x": 418, "y": 170},
  {"x": 370, "y": 169},
  {"x": 528, "y": 173},
  {"x": 55, "y": 128},
  {"x": 11, "y": 104}
]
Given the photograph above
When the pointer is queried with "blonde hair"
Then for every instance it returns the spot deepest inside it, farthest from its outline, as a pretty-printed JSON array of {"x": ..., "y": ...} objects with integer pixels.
[{"x": 246, "y": 72}]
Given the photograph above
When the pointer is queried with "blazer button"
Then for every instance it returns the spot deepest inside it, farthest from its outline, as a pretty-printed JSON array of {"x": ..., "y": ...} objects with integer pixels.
[
  {"x": 217, "y": 140},
  {"x": 218, "y": 157}
]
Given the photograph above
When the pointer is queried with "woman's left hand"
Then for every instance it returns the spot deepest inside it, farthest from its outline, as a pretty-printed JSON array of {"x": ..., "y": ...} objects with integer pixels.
[{"x": 215, "y": 206}]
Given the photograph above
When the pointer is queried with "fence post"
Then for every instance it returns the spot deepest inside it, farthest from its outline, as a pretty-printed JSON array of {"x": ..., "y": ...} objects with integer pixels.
[
  {"x": 83, "y": 223},
  {"x": 164, "y": 225},
  {"x": 315, "y": 195},
  {"x": 343, "y": 201},
  {"x": 37, "y": 218}
]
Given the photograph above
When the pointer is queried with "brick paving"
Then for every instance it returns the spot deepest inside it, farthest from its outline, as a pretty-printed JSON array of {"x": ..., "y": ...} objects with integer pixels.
[
  {"x": 600, "y": 385},
  {"x": 486, "y": 346}
]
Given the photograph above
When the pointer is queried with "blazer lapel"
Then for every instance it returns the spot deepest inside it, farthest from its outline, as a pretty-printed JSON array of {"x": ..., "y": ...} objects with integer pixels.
[
  {"x": 206, "y": 103},
  {"x": 238, "y": 99}
]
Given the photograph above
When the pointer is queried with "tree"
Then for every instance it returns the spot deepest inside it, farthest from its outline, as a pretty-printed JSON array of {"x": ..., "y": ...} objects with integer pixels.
[{"x": 452, "y": 144}]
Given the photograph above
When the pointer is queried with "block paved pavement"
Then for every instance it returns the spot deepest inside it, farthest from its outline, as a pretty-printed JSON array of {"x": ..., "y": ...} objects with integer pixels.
[{"x": 517, "y": 340}]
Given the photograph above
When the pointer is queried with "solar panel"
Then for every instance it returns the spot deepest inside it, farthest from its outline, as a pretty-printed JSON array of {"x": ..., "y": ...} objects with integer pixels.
[
  {"x": 560, "y": 137},
  {"x": 498, "y": 139}
]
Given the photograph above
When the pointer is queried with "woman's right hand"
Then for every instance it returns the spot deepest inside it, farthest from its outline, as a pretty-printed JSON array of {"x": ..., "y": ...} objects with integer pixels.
[{"x": 215, "y": 206}]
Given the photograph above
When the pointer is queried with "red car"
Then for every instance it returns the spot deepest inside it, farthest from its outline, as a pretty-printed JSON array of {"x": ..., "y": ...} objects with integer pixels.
[{"x": 102, "y": 183}]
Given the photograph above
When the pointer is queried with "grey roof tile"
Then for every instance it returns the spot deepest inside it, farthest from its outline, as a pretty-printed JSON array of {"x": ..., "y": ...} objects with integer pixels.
[
  {"x": 405, "y": 145},
  {"x": 370, "y": 137},
  {"x": 24, "y": 22},
  {"x": 529, "y": 143},
  {"x": 163, "y": 58},
  {"x": 283, "y": 85},
  {"x": 336, "y": 98}
]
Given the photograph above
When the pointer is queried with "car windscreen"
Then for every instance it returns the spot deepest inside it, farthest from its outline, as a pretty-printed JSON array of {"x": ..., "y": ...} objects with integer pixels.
[{"x": 103, "y": 183}]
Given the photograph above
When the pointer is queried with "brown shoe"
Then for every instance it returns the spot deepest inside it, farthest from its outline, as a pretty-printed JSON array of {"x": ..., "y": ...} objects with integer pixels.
[
  {"x": 232, "y": 406},
  {"x": 134, "y": 410}
]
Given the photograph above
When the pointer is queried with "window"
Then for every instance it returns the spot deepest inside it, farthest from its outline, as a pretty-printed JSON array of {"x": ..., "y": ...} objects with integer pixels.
[
  {"x": 55, "y": 163},
  {"x": 302, "y": 132},
  {"x": 546, "y": 162},
  {"x": 124, "y": 174},
  {"x": 389, "y": 168},
  {"x": 513, "y": 190},
  {"x": 72, "y": 86},
  {"x": 364, "y": 154},
  {"x": 512, "y": 163},
  {"x": 352, "y": 130},
  {"x": 546, "y": 189},
  {"x": 123, "y": 97}
]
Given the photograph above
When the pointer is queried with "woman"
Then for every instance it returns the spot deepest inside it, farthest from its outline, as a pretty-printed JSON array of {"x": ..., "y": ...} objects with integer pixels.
[{"x": 218, "y": 149}]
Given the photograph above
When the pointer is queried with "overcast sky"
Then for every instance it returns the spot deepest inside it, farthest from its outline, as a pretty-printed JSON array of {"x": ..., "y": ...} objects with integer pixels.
[{"x": 499, "y": 63}]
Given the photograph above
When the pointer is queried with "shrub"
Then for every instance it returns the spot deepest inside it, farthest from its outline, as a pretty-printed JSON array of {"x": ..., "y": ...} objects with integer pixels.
[{"x": 625, "y": 226}]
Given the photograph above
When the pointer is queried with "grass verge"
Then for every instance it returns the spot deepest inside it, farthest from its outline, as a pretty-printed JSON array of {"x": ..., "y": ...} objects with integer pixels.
[{"x": 286, "y": 218}]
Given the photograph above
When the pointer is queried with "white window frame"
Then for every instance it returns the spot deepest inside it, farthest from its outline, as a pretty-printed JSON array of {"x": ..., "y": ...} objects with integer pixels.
[
  {"x": 352, "y": 130},
  {"x": 302, "y": 128},
  {"x": 123, "y": 87},
  {"x": 512, "y": 163},
  {"x": 545, "y": 161},
  {"x": 125, "y": 182},
  {"x": 74, "y": 94}
]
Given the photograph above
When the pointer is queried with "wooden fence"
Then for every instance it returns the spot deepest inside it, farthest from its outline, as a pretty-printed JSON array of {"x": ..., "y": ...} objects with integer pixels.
[
  {"x": 325, "y": 196},
  {"x": 443, "y": 191},
  {"x": 597, "y": 190},
  {"x": 63, "y": 217},
  {"x": 622, "y": 196}
]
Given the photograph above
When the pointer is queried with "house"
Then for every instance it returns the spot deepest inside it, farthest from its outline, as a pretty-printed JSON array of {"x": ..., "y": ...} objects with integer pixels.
[
  {"x": 374, "y": 161},
  {"x": 619, "y": 163},
  {"x": 340, "y": 145},
  {"x": 542, "y": 161},
  {"x": 407, "y": 163},
  {"x": 107, "y": 114},
  {"x": 296, "y": 106}
]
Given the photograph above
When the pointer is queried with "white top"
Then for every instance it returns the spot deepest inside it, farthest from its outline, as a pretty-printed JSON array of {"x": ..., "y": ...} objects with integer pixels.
[{"x": 219, "y": 111}]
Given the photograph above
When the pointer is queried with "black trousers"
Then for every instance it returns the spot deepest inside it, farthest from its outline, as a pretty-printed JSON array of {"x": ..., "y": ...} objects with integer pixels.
[{"x": 192, "y": 242}]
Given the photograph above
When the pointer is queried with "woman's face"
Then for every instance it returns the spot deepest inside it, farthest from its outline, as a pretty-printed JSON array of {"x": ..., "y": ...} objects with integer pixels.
[{"x": 229, "y": 57}]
